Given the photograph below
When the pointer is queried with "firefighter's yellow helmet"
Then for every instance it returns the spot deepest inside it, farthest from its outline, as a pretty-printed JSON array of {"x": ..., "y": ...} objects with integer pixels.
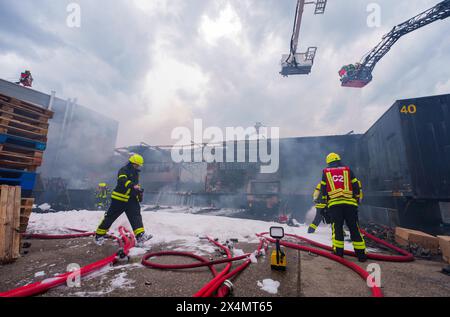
[
  {"x": 102, "y": 185},
  {"x": 333, "y": 157},
  {"x": 137, "y": 159}
]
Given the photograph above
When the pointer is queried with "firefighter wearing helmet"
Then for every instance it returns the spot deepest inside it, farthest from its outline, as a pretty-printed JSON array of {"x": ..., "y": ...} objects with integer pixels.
[
  {"x": 101, "y": 196},
  {"x": 126, "y": 197},
  {"x": 343, "y": 195}
]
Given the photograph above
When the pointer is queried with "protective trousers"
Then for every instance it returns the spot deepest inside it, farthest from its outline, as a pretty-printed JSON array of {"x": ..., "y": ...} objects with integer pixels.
[
  {"x": 316, "y": 222},
  {"x": 132, "y": 208},
  {"x": 349, "y": 215}
]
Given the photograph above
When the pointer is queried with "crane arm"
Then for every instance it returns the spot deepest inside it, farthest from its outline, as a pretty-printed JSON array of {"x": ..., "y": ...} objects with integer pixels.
[
  {"x": 300, "y": 63},
  {"x": 438, "y": 12},
  {"x": 297, "y": 25}
]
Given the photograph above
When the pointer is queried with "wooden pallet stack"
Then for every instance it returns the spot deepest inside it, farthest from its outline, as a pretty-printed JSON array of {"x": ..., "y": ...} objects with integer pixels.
[
  {"x": 24, "y": 129},
  {"x": 23, "y": 139},
  {"x": 26, "y": 207}
]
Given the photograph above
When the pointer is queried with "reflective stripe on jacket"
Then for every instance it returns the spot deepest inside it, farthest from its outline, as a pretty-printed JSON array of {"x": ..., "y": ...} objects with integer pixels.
[
  {"x": 339, "y": 186},
  {"x": 127, "y": 178},
  {"x": 320, "y": 202}
]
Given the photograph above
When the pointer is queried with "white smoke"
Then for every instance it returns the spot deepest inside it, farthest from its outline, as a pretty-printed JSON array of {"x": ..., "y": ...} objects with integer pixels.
[{"x": 310, "y": 215}]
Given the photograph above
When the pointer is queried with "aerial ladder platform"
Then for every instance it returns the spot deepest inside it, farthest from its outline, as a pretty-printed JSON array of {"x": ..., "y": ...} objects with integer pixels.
[
  {"x": 360, "y": 74},
  {"x": 300, "y": 63}
]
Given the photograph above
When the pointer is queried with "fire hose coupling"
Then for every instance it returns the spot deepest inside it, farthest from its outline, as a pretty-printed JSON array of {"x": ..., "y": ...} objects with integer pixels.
[
  {"x": 221, "y": 251},
  {"x": 121, "y": 256},
  {"x": 229, "y": 285},
  {"x": 229, "y": 244},
  {"x": 258, "y": 254}
]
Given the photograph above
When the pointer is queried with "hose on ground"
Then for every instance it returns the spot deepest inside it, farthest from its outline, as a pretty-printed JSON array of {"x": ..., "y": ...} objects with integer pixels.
[
  {"x": 404, "y": 257},
  {"x": 376, "y": 291},
  {"x": 216, "y": 284},
  {"x": 126, "y": 241},
  {"x": 39, "y": 236}
]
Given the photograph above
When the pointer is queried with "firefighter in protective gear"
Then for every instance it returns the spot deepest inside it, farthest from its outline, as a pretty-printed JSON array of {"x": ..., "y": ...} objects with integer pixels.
[
  {"x": 321, "y": 210},
  {"x": 102, "y": 196},
  {"x": 343, "y": 193},
  {"x": 26, "y": 79},
  {"x": 125, "y": 198}
]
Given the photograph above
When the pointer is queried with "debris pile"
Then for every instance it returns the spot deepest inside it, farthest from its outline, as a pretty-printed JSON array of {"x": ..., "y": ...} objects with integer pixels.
[
  {"x": 381, "y": 232},
  {"x": 389, "y": 235}
]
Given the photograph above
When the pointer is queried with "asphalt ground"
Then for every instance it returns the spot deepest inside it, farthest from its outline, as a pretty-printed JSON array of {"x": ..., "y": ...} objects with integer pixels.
[{"x": 306, "y": 275}]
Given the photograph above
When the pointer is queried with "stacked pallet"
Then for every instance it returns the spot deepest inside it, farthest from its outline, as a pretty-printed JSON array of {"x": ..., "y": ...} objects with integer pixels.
[
  {"x": 26, "y": 207},
  {"x": 23, "y": 138},
  {"x": 9, "y": 223}
]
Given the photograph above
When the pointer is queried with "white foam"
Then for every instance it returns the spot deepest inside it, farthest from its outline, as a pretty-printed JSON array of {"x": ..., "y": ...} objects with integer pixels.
[
  {"x": 176, "y": 226},
  {"x": 269, "y": 286}
]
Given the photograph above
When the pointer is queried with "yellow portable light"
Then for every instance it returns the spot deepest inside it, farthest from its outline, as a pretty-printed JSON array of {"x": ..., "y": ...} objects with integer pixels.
[{"x": 278, "y": 257}]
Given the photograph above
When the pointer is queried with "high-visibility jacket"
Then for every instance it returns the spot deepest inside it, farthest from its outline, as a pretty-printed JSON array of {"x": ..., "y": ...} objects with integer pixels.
[
  {"x": 102, "y": 193},
  {"x": 127, "y": 178},
  {"x": 339, "y": 183},
  {"x": 361, "y": 195},
  {"x": 320, "y": 202}
]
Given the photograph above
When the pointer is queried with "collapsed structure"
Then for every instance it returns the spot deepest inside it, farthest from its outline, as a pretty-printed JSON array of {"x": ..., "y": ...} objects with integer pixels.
[{"x": 403, "y": 161}]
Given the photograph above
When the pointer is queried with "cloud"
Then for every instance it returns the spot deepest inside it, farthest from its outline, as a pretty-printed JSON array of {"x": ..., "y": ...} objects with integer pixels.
[
  {"x": 226, "y": 25},
  {"x": 155, "y": 65}
]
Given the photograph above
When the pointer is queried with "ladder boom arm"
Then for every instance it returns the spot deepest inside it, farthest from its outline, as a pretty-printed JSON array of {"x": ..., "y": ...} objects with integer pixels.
[
  {"x": 297, "y": 25},
  {"x": 439, "y": 12}
]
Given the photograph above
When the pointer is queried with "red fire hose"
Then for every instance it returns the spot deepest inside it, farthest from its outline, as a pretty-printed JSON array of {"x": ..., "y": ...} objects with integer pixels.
[
  {"x": 376, "y": 291},
  {"x": 219, "y": 278},
  {"x": 217, "y": 283},
  {"x": 126, "y": 242},
  {"x": 39, "y": 236},
  {"x": 239, "y": 269},
  {"x": 405, "y": 256}
]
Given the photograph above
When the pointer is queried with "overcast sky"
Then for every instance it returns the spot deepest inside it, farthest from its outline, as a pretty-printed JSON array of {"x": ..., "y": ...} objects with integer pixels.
[{"x": 154, "y": 65}]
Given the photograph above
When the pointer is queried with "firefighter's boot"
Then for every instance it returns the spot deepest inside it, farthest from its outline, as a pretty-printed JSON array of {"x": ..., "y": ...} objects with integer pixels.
[
  {"x": 339, "y": 252},
  {"x": 99, "y": 239},
  {"x": 361, "y": 254},
  {"x": 142, "y": 238}
]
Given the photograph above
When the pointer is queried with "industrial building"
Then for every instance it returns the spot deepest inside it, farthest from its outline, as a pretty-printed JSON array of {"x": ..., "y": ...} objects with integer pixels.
[
  {"x": 79, "y": 151},
  {"x": 403, "y": 161},
  {"x": 225, "y": 212}
]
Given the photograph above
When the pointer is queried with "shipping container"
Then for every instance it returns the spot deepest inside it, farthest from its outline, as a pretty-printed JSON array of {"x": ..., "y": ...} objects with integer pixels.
[{"x": 404, "y": 159}]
